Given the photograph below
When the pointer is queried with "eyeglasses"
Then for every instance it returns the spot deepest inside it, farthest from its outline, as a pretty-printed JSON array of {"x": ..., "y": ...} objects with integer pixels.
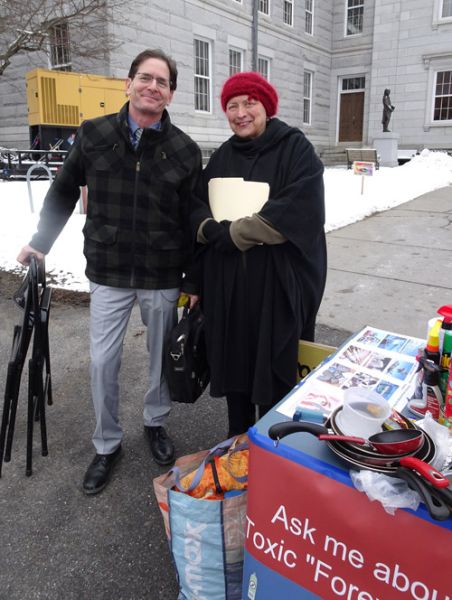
[
  {"x": 247, "y": 105},
  {"x": 146, "y": 78}
]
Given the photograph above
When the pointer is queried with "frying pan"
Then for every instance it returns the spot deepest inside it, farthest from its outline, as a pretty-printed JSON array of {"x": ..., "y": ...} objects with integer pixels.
[
  {"x": 394, "y": 442},
  {"x": 389, "y": 465},
  {"x": 376, "y": 461},
  {"x": 426, "y": 453},
  {"x": 438, "y": 501},
  {"x": 333, "y": 423}
]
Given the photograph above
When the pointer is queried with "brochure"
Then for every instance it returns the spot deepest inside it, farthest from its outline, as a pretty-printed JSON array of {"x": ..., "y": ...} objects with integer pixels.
[{"x": 373, "y": 358}]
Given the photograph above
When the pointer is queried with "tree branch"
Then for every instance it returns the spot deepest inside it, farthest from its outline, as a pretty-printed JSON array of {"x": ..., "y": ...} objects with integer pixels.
[{"x": 26, "y": 27}]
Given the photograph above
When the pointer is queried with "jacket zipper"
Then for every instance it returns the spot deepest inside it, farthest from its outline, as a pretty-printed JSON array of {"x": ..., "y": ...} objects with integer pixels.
[{"x": 134, "y": 219}]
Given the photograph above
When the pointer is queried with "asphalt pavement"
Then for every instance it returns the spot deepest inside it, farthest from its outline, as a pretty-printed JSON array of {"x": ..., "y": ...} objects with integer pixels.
[{"x": 392, "y": 270}]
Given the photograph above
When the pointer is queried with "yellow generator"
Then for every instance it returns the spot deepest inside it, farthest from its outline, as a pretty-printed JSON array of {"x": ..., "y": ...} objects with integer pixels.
[{"x": 58, "y": 101}]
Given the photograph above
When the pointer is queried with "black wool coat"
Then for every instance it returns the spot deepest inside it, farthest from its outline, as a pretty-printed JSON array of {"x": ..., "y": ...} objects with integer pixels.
[
  {"x": 259, "y": 303},
  {"x": 139, "y": 201}
]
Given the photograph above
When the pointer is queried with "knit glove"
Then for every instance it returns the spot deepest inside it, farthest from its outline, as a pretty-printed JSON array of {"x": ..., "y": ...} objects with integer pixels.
[{"x": 218, "y": 235}]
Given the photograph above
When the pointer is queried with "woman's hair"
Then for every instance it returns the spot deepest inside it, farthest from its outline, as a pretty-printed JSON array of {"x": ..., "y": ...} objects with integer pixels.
[{"x": 155, "y": 53}]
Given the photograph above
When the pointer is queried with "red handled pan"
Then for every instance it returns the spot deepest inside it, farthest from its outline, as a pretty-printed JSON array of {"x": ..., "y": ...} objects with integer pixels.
[
  {"x": 438, "y": 501},
  {"x": 395, "y": 442},
  {"x": 419, "y": 461},
  {"x": 401, "y": 442}
]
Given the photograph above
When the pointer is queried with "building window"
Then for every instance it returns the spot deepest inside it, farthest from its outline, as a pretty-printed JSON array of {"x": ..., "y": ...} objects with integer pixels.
[
  {"x": 264, "y": 6},
  {"x": 263, "y": 67},
  {"x": 206, "y": 153},
  {"x": 309, "y": 17},
  {"x": 442, "y": 110},
  {"x": 235, "y": 61},
  {"x": 307, "y": 97},
  {"x": 202, "y": 75},
  {"x": 447, "y": 9},
  {"x": 60, "y": 51},
  {"x": 288, "y": 12},
  {"x": 353, "y": 83},
  {"x": 355, "y": 12}
]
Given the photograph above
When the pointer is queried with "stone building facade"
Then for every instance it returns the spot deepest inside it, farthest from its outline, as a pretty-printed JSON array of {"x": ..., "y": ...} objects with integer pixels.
[{"x": 330, "y": 60}]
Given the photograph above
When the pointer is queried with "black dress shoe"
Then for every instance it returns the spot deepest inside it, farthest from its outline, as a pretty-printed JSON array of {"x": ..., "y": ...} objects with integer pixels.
[
  {"x": 99, "y": 472},
  {"x": 162, "y": 448}
]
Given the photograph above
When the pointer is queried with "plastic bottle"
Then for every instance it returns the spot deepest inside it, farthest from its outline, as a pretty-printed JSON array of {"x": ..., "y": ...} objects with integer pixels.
[
  {"x": 432, "y": 399},
  {"x": 432, "y": 352},
  {"x": 432, "y": 348},
  {"x": 448, "y": 400},
  {"x": 313, "y": 415},
  {"x": 446, "y": 312}
]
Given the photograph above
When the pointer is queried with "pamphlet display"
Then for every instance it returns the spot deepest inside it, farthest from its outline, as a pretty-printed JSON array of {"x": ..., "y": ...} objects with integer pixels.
[{"x": 375, "y": 359}]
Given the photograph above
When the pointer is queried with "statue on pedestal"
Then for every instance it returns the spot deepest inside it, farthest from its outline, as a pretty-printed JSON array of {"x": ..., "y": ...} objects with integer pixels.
[{"x": 388, "y": 109}]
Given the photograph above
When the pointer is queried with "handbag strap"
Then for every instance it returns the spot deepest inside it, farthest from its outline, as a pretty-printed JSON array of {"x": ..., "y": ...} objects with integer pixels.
[{"x": 218, "y": 450}]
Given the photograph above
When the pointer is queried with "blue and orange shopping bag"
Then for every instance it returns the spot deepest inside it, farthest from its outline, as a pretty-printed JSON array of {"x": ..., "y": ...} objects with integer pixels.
[{"x": 203, "y": 503}]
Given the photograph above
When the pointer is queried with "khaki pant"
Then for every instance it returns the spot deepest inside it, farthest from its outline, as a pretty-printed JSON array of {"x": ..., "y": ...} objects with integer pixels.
[{"x": 110, "y": 311}]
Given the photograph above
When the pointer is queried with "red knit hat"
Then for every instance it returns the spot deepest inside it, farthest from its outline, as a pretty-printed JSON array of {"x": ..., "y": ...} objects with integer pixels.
[{"x": 255, "y": 86}]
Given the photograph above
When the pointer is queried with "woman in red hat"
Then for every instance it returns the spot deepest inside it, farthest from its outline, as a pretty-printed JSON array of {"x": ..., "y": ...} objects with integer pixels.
[{"x": 264, "y": 274}]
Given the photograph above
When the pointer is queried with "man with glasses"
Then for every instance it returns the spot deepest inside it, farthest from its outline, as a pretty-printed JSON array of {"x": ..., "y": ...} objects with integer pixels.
[{"x": 142, "y": 175}]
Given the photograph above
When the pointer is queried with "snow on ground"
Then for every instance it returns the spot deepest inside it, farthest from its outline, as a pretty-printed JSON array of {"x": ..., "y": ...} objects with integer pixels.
[{"x": 345, "y": 204}]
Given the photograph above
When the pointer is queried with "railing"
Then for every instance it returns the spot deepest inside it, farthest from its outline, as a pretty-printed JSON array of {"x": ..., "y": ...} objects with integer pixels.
[{"x": 15, "y": 163}]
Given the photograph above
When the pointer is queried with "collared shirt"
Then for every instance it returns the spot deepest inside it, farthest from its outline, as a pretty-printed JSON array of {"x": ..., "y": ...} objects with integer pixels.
[{"x": 133, "y": 127}]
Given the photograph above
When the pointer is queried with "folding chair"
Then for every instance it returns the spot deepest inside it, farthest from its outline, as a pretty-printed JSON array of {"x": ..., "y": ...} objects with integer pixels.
[{"x": 34, "y": 298}]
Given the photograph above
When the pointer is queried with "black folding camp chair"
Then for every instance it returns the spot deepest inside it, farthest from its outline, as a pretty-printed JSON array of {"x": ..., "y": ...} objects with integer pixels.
[{"x": 33, "y": 297}]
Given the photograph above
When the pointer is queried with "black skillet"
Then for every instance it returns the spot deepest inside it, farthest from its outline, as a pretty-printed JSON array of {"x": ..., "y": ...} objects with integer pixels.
[
  {"x": 425, "y": 453},
  {"x": 419, "y": 461},
  {"x": 333, "y": 424},
  {"x": 437, "y": 501}
]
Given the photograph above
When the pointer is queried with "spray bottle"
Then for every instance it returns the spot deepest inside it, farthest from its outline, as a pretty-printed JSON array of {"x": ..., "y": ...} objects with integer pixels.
[
  {"x": 448, "y": 400},
  {"x": 432, "y": 399},
  {"x": 430, "y": 351},
  {"x": 446, "y": 312},
  {"x": 432, "y": 348}
]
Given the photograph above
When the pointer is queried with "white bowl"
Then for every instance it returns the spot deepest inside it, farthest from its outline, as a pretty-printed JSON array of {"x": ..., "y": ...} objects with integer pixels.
[{"x": 363, "y": 412}]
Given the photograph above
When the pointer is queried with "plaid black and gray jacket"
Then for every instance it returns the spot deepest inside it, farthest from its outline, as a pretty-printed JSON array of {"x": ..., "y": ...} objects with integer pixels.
[{"x": 139, "y": 202}]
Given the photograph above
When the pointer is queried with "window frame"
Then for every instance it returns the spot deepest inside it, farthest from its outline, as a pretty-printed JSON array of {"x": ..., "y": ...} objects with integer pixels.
[
  {"x": 358, "y": 79},
  {"x": 201, "y": 77},
  {"x": 60, "y": 47},
  {"x": 264, "y": 3},
  {"x": 441, "y": 7},
  {"x": 263, "y": 60},
  {"x": 287, "y": 3},
  {"x": 437, "y": 71},
  {"x": 240, "y": 53},
  {"x": 206, "y": 153},
  {"x": 438, "y": 19},
  {"x": 434, "y": 63},
  {"x": 309, "y": 12},
  {"x": 307, "y": 99},
  {"x": 348, "y": 14}
]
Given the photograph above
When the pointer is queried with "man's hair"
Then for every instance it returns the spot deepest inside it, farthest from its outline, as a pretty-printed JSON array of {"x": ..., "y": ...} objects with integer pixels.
[{"x": 155, "y": 53}]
